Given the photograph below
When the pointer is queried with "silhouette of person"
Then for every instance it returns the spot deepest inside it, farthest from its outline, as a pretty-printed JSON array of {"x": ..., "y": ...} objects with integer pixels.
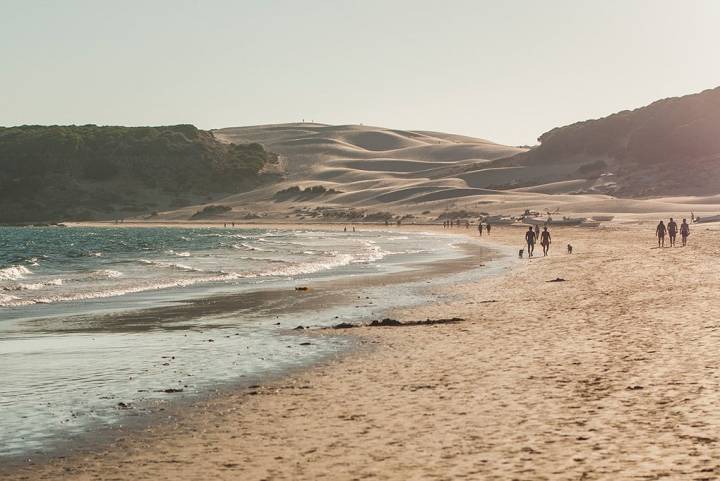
[
  {"x": 480, "y": 227},
  {"x": 530, "y": 239},
  {"x": 684, "y": 232},
  {"x": 660, "y": 233},
  {"x": 672, "y": 231},
  {"x": 487, "y": 227},
  {"x": 545, "y": 240}
]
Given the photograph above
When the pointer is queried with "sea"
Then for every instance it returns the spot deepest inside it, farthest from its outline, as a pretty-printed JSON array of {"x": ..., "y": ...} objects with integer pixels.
[{"x": 102, "y": 325}]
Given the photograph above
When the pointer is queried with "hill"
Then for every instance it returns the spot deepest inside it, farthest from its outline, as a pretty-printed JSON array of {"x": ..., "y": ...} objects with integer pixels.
[
  {"x": 670, "y": 147},
  {"x": 90, "y": 172}
]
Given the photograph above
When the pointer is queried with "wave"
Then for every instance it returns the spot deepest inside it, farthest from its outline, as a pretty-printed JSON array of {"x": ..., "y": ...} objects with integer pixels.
[
  {"x": 102, "y": 274},
  {"x": 14, "y": 273},
  {"x": 7, "y": 299},
  {"x": 372, "y": 253},
  {"x": 39, "y": 285},
  {"x": 309, "y": 267},
  {"x": 178, "y": 254},
  {"x": 170, "y": 265},
  {"x": 249, "y": 247},
  {"x": 180, "y": 267},
  {"x": 13, "y": 301}
]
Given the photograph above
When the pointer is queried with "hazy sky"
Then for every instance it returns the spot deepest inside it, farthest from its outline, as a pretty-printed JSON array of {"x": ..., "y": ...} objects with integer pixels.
[{"x": 503, "y": 70}]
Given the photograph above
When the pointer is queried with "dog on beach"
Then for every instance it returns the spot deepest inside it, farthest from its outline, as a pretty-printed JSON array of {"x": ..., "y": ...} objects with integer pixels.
[
  {"x": 520, "y": 253},
  {"x": 569, "y": 249}
]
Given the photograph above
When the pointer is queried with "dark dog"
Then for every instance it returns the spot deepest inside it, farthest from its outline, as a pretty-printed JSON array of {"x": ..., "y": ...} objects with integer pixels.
[
  {"x": 569, "y": 249},
  {"x": 520, "y": 253}
]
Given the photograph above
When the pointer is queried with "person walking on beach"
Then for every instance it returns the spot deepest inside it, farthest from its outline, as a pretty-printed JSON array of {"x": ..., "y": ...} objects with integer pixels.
[
  {"x": 660, "y": 233},
  {"x": 545, "y": 240},
  {"x": 480, "y": 227},
  {"x": 684, "y": 232},
  {"x": 672, "y": 231},
  {"x": 487, "y": 227},
  {"x": 537, "y": 232},
  {"x": 530, "y": 239}
]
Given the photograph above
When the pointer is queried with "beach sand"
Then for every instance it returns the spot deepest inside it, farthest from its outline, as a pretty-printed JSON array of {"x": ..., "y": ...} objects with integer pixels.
[{"x": 612, "y": 374}]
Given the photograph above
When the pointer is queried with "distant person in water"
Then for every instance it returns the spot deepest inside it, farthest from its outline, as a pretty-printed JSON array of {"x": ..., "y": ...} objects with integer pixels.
[
  {"x": 480, "y": 227},
  {"x": 684, "y": 232},
  {"x": 672, "y": 231},
  {"x": 545, "y": 240},
  {"x": 660, "y": 233},
  {"x": 530, "y": 239}
]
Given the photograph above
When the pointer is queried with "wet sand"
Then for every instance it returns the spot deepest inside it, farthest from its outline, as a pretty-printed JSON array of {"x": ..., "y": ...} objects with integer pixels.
[{"x": 612, "y": 374}]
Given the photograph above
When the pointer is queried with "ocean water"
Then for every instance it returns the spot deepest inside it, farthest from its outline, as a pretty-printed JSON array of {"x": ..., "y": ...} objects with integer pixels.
[{"x": 99, "y": 325}]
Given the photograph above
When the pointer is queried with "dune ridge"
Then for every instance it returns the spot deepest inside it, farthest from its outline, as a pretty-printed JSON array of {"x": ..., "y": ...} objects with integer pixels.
[{"x": 424, "y": 174}]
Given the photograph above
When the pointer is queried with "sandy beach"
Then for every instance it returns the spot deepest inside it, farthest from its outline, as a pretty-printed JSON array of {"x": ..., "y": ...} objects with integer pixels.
[{"x": 611, "y": 374}]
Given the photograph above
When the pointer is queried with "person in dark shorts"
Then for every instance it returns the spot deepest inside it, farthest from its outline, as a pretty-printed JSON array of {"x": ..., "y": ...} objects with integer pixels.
[
  {"x": 684, "y": 232},
  {"x": 545, "y": 240},
  {"x": 660, "y": 233},
  {"x": 530, "y": 239},
  {"x": 672, "y": 231}
]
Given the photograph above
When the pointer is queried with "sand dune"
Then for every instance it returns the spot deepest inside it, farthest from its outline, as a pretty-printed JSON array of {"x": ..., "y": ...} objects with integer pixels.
[{"x": 425, "y": 173}]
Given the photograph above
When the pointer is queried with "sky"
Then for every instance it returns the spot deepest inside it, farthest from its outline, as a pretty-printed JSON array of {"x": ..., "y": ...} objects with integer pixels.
[{"x": 501, "y": 70}]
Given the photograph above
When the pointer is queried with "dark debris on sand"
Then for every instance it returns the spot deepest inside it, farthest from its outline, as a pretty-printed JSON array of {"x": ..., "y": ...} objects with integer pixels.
[{"x": 387, "y": 322}]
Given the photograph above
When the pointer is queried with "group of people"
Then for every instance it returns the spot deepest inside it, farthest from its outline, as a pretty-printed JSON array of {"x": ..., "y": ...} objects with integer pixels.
[
  {"x": 671, "y": 229},
  {"x": 534, "y": 235},
  {"x": 448, "y": 224}
]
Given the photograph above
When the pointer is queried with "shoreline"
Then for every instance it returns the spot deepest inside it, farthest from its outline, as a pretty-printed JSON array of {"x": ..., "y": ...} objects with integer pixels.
[
  {"x": 322, "y": 292},
  {"x": 616, "y": 366}
]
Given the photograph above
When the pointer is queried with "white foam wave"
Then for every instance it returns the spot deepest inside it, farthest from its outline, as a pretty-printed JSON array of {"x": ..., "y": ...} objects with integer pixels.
[
  {"x": 105, "y": 274},
  {"x": 372, "y": 253},
  {"x": 170, "y": 265},
  {"x": 13, "y": 273},
  {"x": 310, "y": 267},
  {"x": 178, "y": 254},
  {"x": 246, "y": 246},
  {"x": 39, "y": 285},
  {"x": 13, "y": 301},
  {"x": 7, "y": 299}
]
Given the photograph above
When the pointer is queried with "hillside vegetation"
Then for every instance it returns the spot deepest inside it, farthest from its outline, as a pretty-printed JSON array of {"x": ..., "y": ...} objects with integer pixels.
[
  {"x": 90, "y": 172},
  {"x": 669, "y": 147}
]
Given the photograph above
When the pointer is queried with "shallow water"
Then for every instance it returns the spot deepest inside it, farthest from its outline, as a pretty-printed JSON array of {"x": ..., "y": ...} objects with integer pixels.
[{"x": 98, "y": 324}]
